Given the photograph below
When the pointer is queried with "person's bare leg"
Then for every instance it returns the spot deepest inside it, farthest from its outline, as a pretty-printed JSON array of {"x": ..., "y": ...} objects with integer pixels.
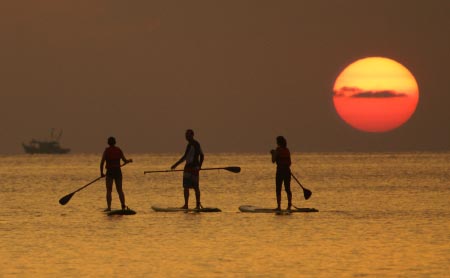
[
  {"x": 186, "y": 198},
  {"x": 120, "y": 192},
  {"x": 287, "y": 187},
  {"x": 109, "y": 183},
  {"x": 197, "y": 197},
  {"x": 278, "y": 184}
]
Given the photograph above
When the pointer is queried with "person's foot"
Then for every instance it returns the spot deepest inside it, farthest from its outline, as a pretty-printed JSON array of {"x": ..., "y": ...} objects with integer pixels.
[
  {"x": 277, "y": 209},
  {"x": 199, "y": 206},
  {"x": 107, "y": 209},
  {"x": 184, "y": 207},
  {"x": 289, "y": 207}
]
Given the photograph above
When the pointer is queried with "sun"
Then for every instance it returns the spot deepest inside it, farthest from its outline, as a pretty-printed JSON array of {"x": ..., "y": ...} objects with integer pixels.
[{"x": 375, "y": 94}]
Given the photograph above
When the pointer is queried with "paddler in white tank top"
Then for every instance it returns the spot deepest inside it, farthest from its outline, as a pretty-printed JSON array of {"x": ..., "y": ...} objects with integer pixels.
[{"x": 194, "y": 159}]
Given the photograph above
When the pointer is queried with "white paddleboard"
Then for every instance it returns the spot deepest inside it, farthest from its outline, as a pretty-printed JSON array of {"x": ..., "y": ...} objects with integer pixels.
[
  {"x": 173, "y": 209},
  {"x": 255, "y": 209}
]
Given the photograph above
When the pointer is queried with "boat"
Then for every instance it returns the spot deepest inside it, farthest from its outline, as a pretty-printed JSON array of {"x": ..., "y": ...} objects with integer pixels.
[{"x": 50, "y": 146}]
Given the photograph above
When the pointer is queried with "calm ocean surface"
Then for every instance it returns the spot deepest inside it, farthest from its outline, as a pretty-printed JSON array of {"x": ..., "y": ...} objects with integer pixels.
[{"x": 381, "y": 215}]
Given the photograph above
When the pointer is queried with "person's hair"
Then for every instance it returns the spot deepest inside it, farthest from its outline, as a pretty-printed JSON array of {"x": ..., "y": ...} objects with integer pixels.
[
  {"x": 189, "y": 131},
  {"x": 111, "y": 141},
  {"x": 282, "y": 141}
]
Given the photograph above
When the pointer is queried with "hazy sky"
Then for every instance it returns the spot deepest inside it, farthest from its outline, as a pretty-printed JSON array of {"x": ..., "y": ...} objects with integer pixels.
[{"x": 238, "y": 72}]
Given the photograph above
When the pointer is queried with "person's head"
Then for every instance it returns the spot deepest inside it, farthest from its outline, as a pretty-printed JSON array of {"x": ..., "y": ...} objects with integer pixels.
[
  {"x": 281, "y": 141},
  {"x": 189, "y": 134},
  {"x": 111, "y": 141}
]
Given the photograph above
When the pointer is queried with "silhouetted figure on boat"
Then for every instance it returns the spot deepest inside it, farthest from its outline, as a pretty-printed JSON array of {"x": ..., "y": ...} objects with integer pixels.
[
  {"x": 194, "y": 159},
  {"x": 112, "y": 156},
  {"x": 282, "y": 157}
]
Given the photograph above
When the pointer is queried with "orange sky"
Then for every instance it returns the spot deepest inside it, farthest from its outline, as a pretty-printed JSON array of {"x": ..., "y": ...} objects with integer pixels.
[{"x": 239, "y": 73}]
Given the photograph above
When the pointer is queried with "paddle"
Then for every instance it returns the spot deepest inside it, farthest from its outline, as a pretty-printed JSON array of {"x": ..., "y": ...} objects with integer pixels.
[
  {"x": 64, "y": 200},
  {"x": 306, "y": 192},
  {"x": 233, "y": 169}
]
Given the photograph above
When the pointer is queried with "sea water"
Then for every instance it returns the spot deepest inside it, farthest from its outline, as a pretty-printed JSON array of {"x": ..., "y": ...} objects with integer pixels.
[{"x": 381, "y": 215}]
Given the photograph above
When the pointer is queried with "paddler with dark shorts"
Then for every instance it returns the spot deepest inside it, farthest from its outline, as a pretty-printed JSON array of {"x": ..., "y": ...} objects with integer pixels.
[
  {"x": 282, "y": 157},
  {"x": 194, "y": 160},
  {"x": 112, "y": 156}
]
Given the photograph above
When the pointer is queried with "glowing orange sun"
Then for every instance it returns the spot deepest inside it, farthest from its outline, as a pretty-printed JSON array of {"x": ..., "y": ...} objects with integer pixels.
[{"x": 375, "y": 94}]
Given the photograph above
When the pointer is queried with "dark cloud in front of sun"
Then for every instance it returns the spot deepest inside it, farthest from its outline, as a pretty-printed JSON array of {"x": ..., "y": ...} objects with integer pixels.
[
  {"x": 378, "y": 94},
  {"x": 347, "y": 91},
  {"x": 355, "y": 92}
]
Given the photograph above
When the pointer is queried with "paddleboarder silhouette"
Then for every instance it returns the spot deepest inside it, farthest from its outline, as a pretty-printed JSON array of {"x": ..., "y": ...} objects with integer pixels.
[
  {"x": 112, "y": 156},
  {"x": 282, "y": 157},
  {"x": 194, "y": 159}
]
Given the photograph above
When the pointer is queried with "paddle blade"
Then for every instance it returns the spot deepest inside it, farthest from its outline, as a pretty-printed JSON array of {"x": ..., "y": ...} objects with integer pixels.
[
  {"x": 307, "y": 193},
  {"x": 64, "y": 200},
  {"x": 233, "y": 169}
]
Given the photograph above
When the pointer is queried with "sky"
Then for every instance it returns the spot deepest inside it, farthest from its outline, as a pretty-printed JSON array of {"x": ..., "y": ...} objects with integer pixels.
[{"x": 239, "y": 73}]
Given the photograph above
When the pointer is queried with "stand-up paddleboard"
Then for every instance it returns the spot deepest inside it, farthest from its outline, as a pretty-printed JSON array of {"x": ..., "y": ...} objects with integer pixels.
[
  {"x": 173, "y": 209},
  {"x": 126, "y": 211},
  {"x": 255, "y": 209},
  {"x": 283, "y": 212}
]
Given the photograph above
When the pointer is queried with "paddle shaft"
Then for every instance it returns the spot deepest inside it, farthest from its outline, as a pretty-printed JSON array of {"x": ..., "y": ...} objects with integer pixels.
[
  {"x": 86, "y": 185},
  {"x": 306, "y": 192},
  {"x": 233, "y": 169},
  {"x": 297, "y": 181},
  {"x": 64, "y": 200}
]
